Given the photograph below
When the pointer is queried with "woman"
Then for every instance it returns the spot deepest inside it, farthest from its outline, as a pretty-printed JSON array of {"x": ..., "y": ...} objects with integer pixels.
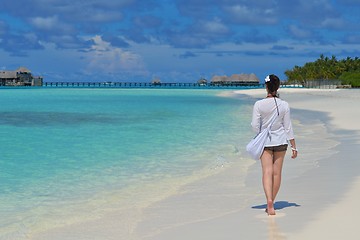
[{"x": 274, "y": 112}]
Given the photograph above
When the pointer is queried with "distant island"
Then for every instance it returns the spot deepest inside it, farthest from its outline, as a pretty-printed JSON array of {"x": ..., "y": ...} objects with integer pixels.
[
  {"x": 19, "y": 77},
  {"x": 346, "y": 71}
]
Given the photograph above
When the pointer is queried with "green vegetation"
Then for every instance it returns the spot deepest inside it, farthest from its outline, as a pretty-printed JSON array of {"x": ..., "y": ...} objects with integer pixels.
[
  {"x": 347, "y": 70},
  {"x": 350, "y": 78}
]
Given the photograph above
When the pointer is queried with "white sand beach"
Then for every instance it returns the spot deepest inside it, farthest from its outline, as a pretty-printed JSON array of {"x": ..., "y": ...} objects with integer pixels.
[
  {"x": 316, "y": 199},
  {"x": 334, "y": 218}
]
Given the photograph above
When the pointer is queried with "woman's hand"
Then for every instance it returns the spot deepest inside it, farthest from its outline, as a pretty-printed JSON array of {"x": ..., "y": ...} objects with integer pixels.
[
  {"x": 294, "y": 152},
  {"x": 293, "y": 148}
]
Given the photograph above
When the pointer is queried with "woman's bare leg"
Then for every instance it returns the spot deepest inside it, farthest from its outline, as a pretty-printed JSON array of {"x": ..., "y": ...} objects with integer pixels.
[
  {"x": 278, "y": 158},
  {"x": 267, "y": 179}
]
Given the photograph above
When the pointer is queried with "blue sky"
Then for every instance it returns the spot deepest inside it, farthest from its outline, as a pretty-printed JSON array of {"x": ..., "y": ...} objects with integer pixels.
[{"x": 174, "y": 40}]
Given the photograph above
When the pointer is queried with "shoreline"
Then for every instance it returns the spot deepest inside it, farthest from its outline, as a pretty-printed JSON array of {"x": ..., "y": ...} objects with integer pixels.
[
  {"x": 329, "y": 191},
  {"x": 304, "y": 198}
]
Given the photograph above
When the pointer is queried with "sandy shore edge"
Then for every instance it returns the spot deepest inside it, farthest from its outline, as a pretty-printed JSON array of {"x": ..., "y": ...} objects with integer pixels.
[
  {"x": 310, "y": 204},
  {"x": 337, "y": 220},
  {"x": 306, "y": 210}
]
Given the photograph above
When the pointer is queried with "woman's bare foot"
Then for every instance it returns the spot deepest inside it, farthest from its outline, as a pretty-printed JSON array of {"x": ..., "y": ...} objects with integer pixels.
[{"x": 270, "y": 210}]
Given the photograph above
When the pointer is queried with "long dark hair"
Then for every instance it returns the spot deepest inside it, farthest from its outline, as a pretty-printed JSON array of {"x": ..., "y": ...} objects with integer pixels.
[{"x": 273, "y": 85}]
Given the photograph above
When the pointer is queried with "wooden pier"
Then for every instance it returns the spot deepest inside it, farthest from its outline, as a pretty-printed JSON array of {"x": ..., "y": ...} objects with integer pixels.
[{"x": 147, "y": 85}]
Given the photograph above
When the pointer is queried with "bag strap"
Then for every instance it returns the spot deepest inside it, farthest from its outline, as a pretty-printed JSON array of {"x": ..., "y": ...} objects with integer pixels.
[
  {"x": 277, "y": 108},
  {"x": 274, "y": 117}
]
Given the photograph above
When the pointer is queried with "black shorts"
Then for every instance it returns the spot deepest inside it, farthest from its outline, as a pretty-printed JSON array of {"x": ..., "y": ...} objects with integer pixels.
[{"x": 279, "y": 148}]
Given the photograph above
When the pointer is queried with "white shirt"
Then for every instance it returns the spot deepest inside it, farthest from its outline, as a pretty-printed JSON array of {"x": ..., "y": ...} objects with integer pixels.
[{"x": 263, "y": 114}]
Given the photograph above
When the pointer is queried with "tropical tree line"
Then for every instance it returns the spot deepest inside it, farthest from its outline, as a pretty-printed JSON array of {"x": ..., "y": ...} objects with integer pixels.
[{"x": 325, "y": 68}]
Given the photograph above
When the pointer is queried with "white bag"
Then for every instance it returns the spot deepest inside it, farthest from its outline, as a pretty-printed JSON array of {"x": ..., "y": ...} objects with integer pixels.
[{"x": 256, "y": 146}]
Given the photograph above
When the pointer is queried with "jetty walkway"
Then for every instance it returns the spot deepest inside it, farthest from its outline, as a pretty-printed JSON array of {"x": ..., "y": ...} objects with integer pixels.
[{"x": 149, "y": 85}]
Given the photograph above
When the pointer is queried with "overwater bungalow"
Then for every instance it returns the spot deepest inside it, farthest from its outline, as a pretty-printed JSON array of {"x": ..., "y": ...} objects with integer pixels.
[
  {"x": 19, "y": 77},
  {"x": 156, "y": 81},
  {"x": 235, "y": 79},
  {"x": 202, "y": 81}
]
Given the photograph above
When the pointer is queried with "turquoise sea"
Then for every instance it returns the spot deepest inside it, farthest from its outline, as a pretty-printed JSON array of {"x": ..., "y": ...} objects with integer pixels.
[{"x": 76, "y": 153}]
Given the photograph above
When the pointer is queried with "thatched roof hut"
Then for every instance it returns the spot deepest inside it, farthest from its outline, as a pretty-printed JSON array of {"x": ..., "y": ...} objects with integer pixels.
[
  {"x": 244, "y": 78},
  {"x": 202, "y": 81},
  {"x": 19, "y": 77},
  {"x": 156, "y": 81},
  {"x": 219, "y": 79},
  {"x": 8, "y": 75},
  {"x": 236, "y": 78},
  {"x": 22, "y": 70}
]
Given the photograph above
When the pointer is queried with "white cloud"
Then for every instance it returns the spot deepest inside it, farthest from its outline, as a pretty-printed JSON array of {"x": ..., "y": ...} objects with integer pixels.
[
  {"x": 215, "y": 27},
  {"x": 333, "y": 23},
  {"x": 3, "y": 27},
  {"x": 243, "y": 14},
  {"x": 45, "y": 23},
  {"x": 51, "y": 24},
  {"x": 298, "y": 32},
  {"x": 352, "y": 39},
  {"x": 104, "y": 57}
]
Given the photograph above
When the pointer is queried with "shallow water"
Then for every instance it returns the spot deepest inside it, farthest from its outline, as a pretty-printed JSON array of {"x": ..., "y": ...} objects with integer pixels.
[{"x": 68, "y": 154}]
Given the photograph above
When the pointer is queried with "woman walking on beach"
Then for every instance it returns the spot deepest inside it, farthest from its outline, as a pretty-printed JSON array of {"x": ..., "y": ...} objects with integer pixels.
[{"x": 275, "y": 112}]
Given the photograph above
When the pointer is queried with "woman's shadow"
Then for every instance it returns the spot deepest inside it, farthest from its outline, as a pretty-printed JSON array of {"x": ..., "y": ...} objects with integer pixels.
[
  {"x": 278, "y": 205},
  {"x": 274, "y": 232}
]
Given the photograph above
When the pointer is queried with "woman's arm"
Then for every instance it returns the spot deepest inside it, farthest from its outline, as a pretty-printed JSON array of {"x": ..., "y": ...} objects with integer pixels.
[
  {"x": 287, "y": 124},
  {"x": 290, "y": 133},
  {"x": 293, "y": 148},
  {"x": 255, "y": 122}
]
